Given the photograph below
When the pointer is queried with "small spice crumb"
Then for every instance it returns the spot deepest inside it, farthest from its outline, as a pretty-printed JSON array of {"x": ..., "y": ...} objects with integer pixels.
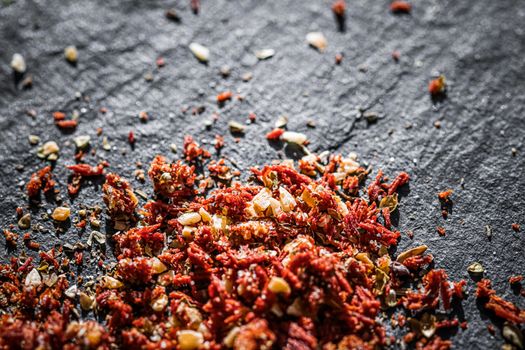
[
  {"x": 400, "y": 7},
  {"x": 71, "y": 54},
  {"x": 441, "y": 231},
  {"x": 516, "y": 227},
  {"x": 61, "y": 214},
  {"x": 396, "y": 55},
  {"x": 200, "y": 52},
  {"x": 339, "y": 8},
  {"x": 338, "y": 58},
  {"x": 224, "y": 96},
  {"x": 317, "y": 40},
  {"x": 18, "y": 63},
  {"x": 172, "y": 15},
  {"x": 437, "y": 86}
]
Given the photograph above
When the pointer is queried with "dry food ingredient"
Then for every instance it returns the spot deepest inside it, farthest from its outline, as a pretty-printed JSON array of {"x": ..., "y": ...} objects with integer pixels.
[{"x": 294, "y": 258}]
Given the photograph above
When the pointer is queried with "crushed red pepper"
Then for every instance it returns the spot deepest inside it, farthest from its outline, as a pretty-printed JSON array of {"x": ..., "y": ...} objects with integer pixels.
[{"x": 283, "y": 262}]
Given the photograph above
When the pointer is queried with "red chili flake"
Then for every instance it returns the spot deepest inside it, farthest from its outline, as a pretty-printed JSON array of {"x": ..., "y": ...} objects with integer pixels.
[
  {"x": 219, "y": 142},
  {"x": 437, "y": 86},
  {"x": 79, "y": 256},
  {"x": 67, "y": 124},
  {"x": 224, "y": 96},
  {"x": 57, "y": 116},
  {"x": 19, "y": 212},
  {"x": 81, "y": 223},
  {"x": 338, "y": 58},
  {"x": 131, "y": 138},
  {"x": 275, "y": 134},
  {"x": 515, "y": 227},
  {"x": 396, "y": 55},
  {"x": 195, "y": 6},
  {"x": 500, "y": 307},
  {"x": 41, "y": 180},
  {"x": 88, "y": 170},
  {"x": 160, "y": 62},
  {"x": 400, "y": 7},
  {"x": 441, "y": 230},
  {"x": 192, "y": 150},
  {"x": 10, "y": 238},
  {"x": 491, "y": 329},
  {"x": 99, "y": 131},
  {"x": 252, "y": 117},
  {"x": 516, "y": 279},
  {"x": 339, "y": 8},
  {"x": 143, "y": 116},
  {"x": 103, "y": 110},
  {"x": 445, "y": 195}
]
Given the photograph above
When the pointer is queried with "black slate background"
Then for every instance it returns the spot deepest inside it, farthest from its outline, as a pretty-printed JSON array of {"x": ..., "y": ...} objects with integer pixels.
[{"x": 478, "y": 45}]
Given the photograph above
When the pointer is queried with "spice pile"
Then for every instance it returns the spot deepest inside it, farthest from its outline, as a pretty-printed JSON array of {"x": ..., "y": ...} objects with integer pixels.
[
  {"x": 300, "y": 256},
  {"x": 296, "y": 259}
]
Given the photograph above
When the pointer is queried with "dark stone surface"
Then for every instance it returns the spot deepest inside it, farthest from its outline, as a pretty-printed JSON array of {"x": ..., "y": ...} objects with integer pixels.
[{"x": 478, "y": 45}]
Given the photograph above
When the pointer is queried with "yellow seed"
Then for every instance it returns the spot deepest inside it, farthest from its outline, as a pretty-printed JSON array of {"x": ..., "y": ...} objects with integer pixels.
[
  {"x": 111, "y": 283},
  {"x": 160, "y": 303},
  {"x": 71, "y": 54},
  {"x": 187, "y": 232},
  {"x": 189, "y": 340},
  {"x": 61, "y": 213},
  {"x": 262, "y": 200},
  {"x": 279, "y": 285},
  {"x": 157, "y": 266},
  {"x": 411, "y": 252},
  {"x": 287, "y": 200},
  {"x": 206, "y": 217},
  {"x": 189, "y": 218},
  {"x": 86, "y": 302}
]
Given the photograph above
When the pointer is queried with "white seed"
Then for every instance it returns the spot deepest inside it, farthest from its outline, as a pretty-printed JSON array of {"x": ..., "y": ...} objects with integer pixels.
[
  {"x": 230, "y": 337},
  {"x": 278, "y": 285},
  {"x": 160, "y": 303},
  {"x": 317, "y": 40},
  {"x": 34, "y": 139},
  {"x": 82, "y": 141},
  {"x": 71, "y": 54},
  {"x": 33, "y": 278},
  {"x": 264, "y": 54},
  {"x": 157, "y": 266},
  {"x": 188, "y": 219},
  {"x": 294, "y": 137},
  {"x": 206, "y": 217},
  {"x": 18, "y": 63},
  {"x": 236, "y": 127},
  {"x": 111, "y": 283},
  {"x": 50, "y": 147},
  {"x": 200, "y": 52},
  {"x": 281, "y": 121},
  {"x": 419, "y": 250},
  {"x": 262, "y": 200},
  {"x": 287, "y": 200},
  {"x": 71, "y": 292},
  {"x": 189, "y": 340},
  {"x": 86, "y": 301}
]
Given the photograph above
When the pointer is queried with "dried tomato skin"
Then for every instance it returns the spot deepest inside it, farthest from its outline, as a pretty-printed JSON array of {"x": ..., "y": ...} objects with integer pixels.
[
  {"x": 67, "y": 124},
  {"x": 398, "y": 6}
]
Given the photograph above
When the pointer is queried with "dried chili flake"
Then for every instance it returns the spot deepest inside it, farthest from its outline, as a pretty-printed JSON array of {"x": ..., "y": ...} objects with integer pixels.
[
  {"x": 87, "y": 170},
  {"x": 219, "y": 142},
  {"x": 224, "y": 96},
  {"x": 67, "y": 124},
  {"x": 400, "y": 7},
  {"x": 516, "y": 279},
  {"x": 515, "y": 227},
  {"x": 57, "y": 116},
  {"x": 441, "y": 231},
  {"x": 437, "y": 86},
  {"x": 41, "y": 180},
  {"x": 192, "y": 150},
  {"x": 131, "y": 138},
  {"x": 339, "y": 8},
  {"x": 195, "y": 6},
  {"x": 275, "y": 134}
]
